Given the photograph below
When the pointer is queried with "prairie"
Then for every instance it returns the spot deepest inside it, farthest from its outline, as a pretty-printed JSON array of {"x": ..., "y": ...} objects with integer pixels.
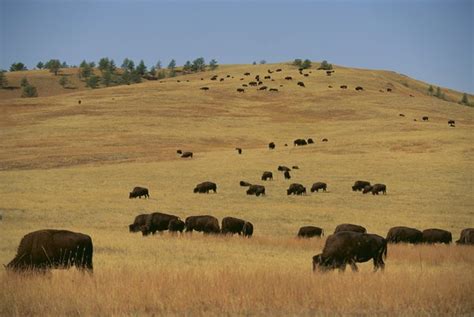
[{"x": 71, "y": 166}]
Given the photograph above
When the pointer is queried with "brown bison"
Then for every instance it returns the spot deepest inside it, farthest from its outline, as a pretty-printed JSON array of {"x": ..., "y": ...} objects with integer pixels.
[
  {"x": 296, "y": 189},
  {"x": 263, "y": 88},
  {"x": 359, "y": 88},
  {"x": 207, "y": 224},
  {"x": 287, "y": 175},
  {"x": 467, "y": 236},
  {"x": 367, "y": 189},
  {"x": 256, "y": 190},
  {"x": 348, "y": 247},
  {"x": 377, "y": 188},
  {"x": 267, "y": 175},
  {"x": 310, "y": 232},
  {"x": 437, "y": 236},
  {"x": 271, "y": 146},
  {"x": 247, "y": 74},
  {"x": 310, "y": 141},
  {"x": 156, "y": 221},
  {"x": 401, "y": 115},
  {"x": 205, "y": 88},
  {"x": 244, "y": 184},
  {"x": 179, "y": 152},
  {"x": 359, "y": 185},
  {"x": 324, "y": 140},
  {"x": 253, "y": 83},
  {"x": 240, "y": 90},
  {"x": 205, "y": 187},
  {"x": 389, "y": 89},
  {"x": 267, "y": 77},
  {"x": 343, "y": 86},
  {"x": 138, "y": 223},
  {"x": 404, "y": 235},
  {"x": 299, "y": 142},
  {"x": 187, "y": 154},
  {"x": 139, "y": 192},
  {"x": 278, "y": 70},
  {"x": 288, "y": 78},
  {"x": 176, "y": 225},
  {"x": 300, "y": 83},
  {"x": 239, "y": 150},
  {"x": 317, "y": 186},
  {"x": 283, "y": 168},
  {"x": 451, "y": 122},
  {"x": 273, "y": 89},
  {"x": 350, "y": 227},
  {"x": 43, "y": 250},
  {"x": 425, "y": 118},
  {"x": 235, "y": 225}
]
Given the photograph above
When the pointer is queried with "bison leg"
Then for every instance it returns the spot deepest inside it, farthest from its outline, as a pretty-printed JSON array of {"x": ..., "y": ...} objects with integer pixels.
[{"x": 353, "y": 266}]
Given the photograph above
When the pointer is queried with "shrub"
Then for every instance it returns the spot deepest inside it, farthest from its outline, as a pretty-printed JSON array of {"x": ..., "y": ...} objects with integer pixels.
[
  {"x": 24, "y": 82},
  {"x": 29, "y": 91},
  {"x": 325, "y": 65},
  {"x": 92, "y": 82},
  {"x": 63, "y": 81},
  {"x": 464, "y": 100},
  {"x": 18, "y": 67}
]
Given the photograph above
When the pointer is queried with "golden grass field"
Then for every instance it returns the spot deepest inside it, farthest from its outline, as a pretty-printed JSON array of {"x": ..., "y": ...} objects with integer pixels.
[{"x": 70, "y": 166}]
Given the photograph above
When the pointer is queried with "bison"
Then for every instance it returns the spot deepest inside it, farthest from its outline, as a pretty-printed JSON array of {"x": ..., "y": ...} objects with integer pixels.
[
  {"x": 437, "y": 236},
  {"x": 256, "y": 190},
  {"x": 367, "y": 189},
  {"x": 176, "y": 225},
  {"x": 139, "y": 192},
  {"x": 299, "y": 142},
  {"x": 350, "y": 227},
  {"x": 317, "y": 186},
  {"x": 359, "y": 88},
  {"x": 156, "y": 221},
  {"x": 205, "y": 187},
  {"x": 300, "y": 83},
  {"x": 235, "y": 225},
  {"x": 377, "y": 188},
  {"x": 389, "y": 89},
  {"x": 240, "y": 90},
  {"x": 138, "y": 223},
  {"x": 207, "y": 224},
  {"x": 405, "y": 235},
  {"x": 288, "y": 78},
  {"x": 239, "y": 150},
  {"x": 273, "y": 89},
  {"x": 271, "y": 146},
  {"x": 287, "y": 175},
  {"x": 283, "y": 168},
  {"x": 43, "y": 250},
  {"x": 296, "y": 189},
  {"x": 310, "y": 232},
  {"x": 187, "y": 154},
  {"x": 310, "y": 141},
  {"x": 179, "y": 152},
  {"x": 263, "y": 88},
  {"x": 467, "y": 236},
  {"x": 267, "y": 175},
  {"x": 205, "y": 88},
  {"x": 359, "y": 185},
  {"x": 253, "y": 83},
  {"x": 244, "y": 184},
  {"x": 343, "y": 86},
  {"x": 401, "y": 115},
  {"x": 425, "y": 118},
  {"x": 451, "y": 122},
  {"x": 324, "y": 140},
  {"x": 348, "y": 247}
]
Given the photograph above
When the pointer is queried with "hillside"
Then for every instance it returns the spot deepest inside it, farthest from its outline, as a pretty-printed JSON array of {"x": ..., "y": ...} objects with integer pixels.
[{"x": 70, "y": 165}]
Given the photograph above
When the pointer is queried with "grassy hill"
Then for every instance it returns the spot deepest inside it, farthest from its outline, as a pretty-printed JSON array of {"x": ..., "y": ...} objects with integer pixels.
[{"x": 70, "y": 165}]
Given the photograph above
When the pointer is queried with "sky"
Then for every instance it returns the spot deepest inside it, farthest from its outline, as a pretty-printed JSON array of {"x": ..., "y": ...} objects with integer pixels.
[{"x": 431, "y": 41}]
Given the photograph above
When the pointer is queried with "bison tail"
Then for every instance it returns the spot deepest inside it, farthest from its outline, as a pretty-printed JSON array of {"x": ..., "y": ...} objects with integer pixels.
[{"x": 385, "y": 250}]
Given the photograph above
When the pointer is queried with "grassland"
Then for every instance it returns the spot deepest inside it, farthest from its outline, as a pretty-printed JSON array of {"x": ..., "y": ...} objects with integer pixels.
[{"x": 65, "y": 165}]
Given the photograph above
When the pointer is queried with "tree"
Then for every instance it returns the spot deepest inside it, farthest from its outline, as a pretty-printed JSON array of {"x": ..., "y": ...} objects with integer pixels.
[
  {"x": 3, "y": 79},
  {"x": 325, "y": 65},
  {"x": 172, "y": 65},
  {"x": 439, "y": 93},
  {"x": 254, "y": 63},
  {"x": 85, "y": 70},
  {"x": 187, "y": 66},
  {"x": 199, "y": 65},
  {"x": 64, "y": 65},
  {"x": 92, "y": 64},
  {"x": 128, "y": 64},
  {"x": 306, "y": 64},
  {"x": 53, "y": 65},
  {"x": 158, "y": 65},
  {"x": 141, "y": 68},
  {"x": 92, "y": 82},
  {"x": 18, "y": 67},
  {"x": 104, "y": 64},
  {"x": 40, "y": 65},
  {"x": 213, "y": 64},
  {"x": 107, "y": 78},
  {"x": 152, "y": 71},
  {"x": 464, "y": 99},
  {"x": 24, "y": 82},
  {"x": 430, "y": 90},
  {"x": 263, "y": 61},
  {"x": 29, "y": 92},
  {"x": 63, "y": 81},
  {"x": 297, "y": 62}
]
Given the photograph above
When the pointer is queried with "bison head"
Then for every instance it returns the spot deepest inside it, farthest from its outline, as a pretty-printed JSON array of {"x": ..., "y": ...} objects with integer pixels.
[
  {"x": 196, "y": 190},
  {"x": 321, "y": 263}
]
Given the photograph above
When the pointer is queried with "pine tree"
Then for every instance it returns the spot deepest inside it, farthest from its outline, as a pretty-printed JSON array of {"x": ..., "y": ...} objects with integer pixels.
[
  {"x": 29, "y": 92},
  {"x": 40, "y": 65},
  {"x": 141, "y": 68},
  {"x": 464, "y": 99},
  {"x": 213, "y": 64}
]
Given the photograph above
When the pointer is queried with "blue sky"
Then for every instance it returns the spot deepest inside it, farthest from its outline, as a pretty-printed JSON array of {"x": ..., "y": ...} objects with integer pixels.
[{"x": 428, "y": 40}]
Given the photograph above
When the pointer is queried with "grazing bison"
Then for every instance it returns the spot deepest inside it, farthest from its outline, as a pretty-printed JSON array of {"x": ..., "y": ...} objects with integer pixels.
[
  {"x": 187, "y": 154},
  {"x": 324, "y": 140},
  {"x": 377, "y": 188},
  {"x": 300, "y": 83},
  {"x": 367, "y": 189},
  {"x": 405, "y": 235},
  {"x": 257, "y": 78},
  {"x": 263, "y": 88},
  {"x": 79, "y": 101},
  {"x": 253, "y": 83},
  {"x": 244, "y": 184},
  {"x": 205, "y": 88},
  {"x": 232, "y": 225},
  {"x": 288, "y": 78},
  {"x": 343, "y": 86},
  {"x": 401, "y": 115},
  {"x": 451, "y": 122},
  {"x": 359, "y": 185},
  {"x": 389, "y": 89},
  {"x": 240, "y": 90},
  {"x": 271, "y": 146},
  {"x": 267, "y": 175},
  {"x": 222, "y": 79},
  {"x": 53, "y": 249},
  {"x": 310, "y": 141},
  {"x": 295, "y": 167},
  {"x": 267, "y": 77},
  {"x": 139, "y": 192},
  {"x": 247, "y": 230},
  {"x": 245, "y": 85},
  {"x": 317, "y": 186},
  {"x": 138, "y": 223},
  {"x": 247, "y": 74},
  {"x": 310, "y": 232},
  {"x": 425, "y": 118},
  {"x": 306, "y": 75},
  {"x": 329, "y": 86},
  {"x": 205, "y": 187},
  {"x": 467, "y": 236},
  {"x": 350, "y": 227},
  {"x": 278, "y": 70},
  {"x": 157, "y": 221},
  {"x": 287, "y": 175},
  {"x": 176, "y": 225},
  {"x": 437, "y": 236},
  {"x": 179, "y": 152},
  {"x": 296, "y": 189},
  {"x": 273, "y": 89},
  {"x": 346, "y": 247},
  {"x": 256, "y": 190},
  {"x": 299, "y": 142},
  {"x": 359, "y": 88},
  {"x": 283, "y": 168},
  {"x": 239, "y": 150},
  {"x": 329, "y": 72},
  {"x": 207, "y": 224}
]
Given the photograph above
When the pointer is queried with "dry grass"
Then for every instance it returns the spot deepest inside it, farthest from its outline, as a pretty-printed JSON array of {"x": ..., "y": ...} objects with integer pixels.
[{"x": 64, "y": 165}]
